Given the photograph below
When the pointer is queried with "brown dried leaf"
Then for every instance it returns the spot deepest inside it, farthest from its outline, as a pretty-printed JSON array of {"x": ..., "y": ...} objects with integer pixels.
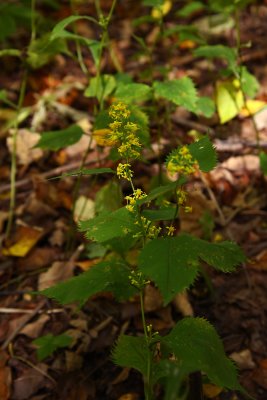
[
  {"x": 34, "y": 329},
  {"x": 26, "y": 152},
  {"x": 59, "y": 271}
]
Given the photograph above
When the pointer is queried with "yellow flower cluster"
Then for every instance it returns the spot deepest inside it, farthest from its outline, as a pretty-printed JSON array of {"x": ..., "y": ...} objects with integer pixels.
[
  {"x": 181, "y": 161},
  {"x": 181, "y": 200},
  {"x": 138, "y": 194},
  {"x": 119, "y": 111},
  {"x": 138, "y": 280},
  {"x": 152, "y": 231},
  {"x": 123, "y": 131},
  {"x": 124, "y": 171}
]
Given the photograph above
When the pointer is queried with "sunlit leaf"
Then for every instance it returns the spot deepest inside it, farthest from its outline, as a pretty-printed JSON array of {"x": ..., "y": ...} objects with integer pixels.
[
  {"x": 56, "y": 140},
  {"x": 181, "y": 92},
  {"x": 229, "y": 100}
]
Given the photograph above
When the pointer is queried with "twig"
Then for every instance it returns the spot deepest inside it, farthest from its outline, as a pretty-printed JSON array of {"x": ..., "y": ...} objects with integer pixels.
[
  {"x": 6, "y": 310},
  {"x": 192, "y": 125},
  {"x": 48, "y": 174},
  {"x": 22, "y": 324}
]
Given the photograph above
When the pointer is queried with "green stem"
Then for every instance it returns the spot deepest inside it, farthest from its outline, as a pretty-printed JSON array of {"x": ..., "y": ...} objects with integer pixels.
[
  {"x": 147, "y": 378},
  {"x": 77, "y": 44},
  {"x": 33, "y": 21},
  {"x": 13, "y": 172}
]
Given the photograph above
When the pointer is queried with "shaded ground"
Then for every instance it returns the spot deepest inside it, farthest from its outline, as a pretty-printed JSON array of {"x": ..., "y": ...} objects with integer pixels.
[{"x": 236, "y": 304}]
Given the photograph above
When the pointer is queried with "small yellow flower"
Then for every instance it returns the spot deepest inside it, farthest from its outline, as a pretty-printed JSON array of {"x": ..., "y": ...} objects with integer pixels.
[
  {"x": 170, "y": 230},
  {"x": 188, "y": 209}
]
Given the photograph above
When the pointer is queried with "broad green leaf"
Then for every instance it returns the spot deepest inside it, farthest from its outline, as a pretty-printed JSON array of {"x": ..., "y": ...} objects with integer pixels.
[
  {"x": 190, "y": 8},
  {"x": 101, "y": 87},
  {"x": 205, "y": 106},
  {"x": 103, "y": 228},
  {"x": 249, "y": 82},
  {"x": 196, "y": 344},
  {"x": 173, "y": 378},
  {"x": 133, "y": 92},
  {"x": 59, "y": 28},
  {"x": 165, "y": 214},
  {"x": 218, "y": 51},
  {"x": 204, "y": 152},
  {"x": 162, "y": 190},
  {"x": 56, "y": 140},
  {"x": 263, "y": 162},
  {"x": 132, "y": 352},
  {"x": 229, "y": 100},
  {"x": 49, "y": 343},
  {"x": 172, "y": 263},
  {"x": 109, "y": 198},
  {"x": 110, "y": 276},
  {"x": 181, "y": 92}
]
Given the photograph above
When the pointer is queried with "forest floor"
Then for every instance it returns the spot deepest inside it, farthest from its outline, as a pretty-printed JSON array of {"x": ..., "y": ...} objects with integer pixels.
[{"x": 235, "y": 303}]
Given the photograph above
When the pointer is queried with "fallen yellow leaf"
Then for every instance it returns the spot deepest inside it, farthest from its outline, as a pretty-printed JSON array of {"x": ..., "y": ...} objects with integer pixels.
[
  {"x": 252, "y": 107},
  {"x": 160, "y": 11},
  {"x": 25, "y": 239},
  {"x": 211, "y": 391},
  {"x": 102, "y": 137}
]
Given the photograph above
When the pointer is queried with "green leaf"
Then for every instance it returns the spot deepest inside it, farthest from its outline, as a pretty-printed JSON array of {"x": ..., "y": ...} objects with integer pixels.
[
  {"x": 190, "y": 8},
  {"x": 204, "y": 152},
  {"x": 205, "y": 106},
  {"x": 218, "y": 51},
  {"x": 162, "y": 190},
  {"x": 249, "y": 83},
  {"x": 42, "y": 50},
  {"x": 132, "y": 352},
  {"x": 111, "y": 276},
  {"x": 153, "y": 3},
  {"x": 56, "y": 140},
  {"x": 181, "y": 92},
  {"x": 263, "y": 162},
  {"x": 172, "y": 263},
  {"x": 174, "y": 378},
  {"x": 162, "y": 214},
  {"x": 229, "y": 100},
  {"x": 196, "y": 344},
  {"x": 59, "y": 28},
  {"x": 3, "y": 95},
  {"x": 133, "y": 92},
  {"x": 49, "y": 343},
  {"x": 103, "y": 228},
  {"x": 109, "y": 198},
  {"x": 101, "y": 87},
  {"x": 84, "y": 171}
]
